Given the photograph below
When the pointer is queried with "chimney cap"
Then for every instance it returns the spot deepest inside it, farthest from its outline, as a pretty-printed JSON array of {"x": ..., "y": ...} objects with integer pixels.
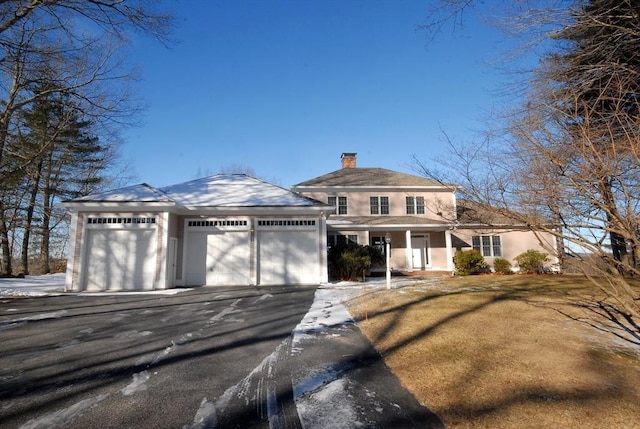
[{"x": 348, "y": 154}]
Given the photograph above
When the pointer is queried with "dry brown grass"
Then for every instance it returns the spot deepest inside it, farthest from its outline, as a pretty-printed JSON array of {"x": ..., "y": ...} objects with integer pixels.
[{"x": 509, "y": 351}]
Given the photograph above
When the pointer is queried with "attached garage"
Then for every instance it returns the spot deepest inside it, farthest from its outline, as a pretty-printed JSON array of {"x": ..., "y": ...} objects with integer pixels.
[
  {"x": 120, "y": 255},
  {"x": 228, "y": 229}
]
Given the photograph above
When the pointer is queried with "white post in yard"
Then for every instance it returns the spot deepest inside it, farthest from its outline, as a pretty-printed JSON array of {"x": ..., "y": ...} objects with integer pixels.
[{"x": 387, "y": 240}]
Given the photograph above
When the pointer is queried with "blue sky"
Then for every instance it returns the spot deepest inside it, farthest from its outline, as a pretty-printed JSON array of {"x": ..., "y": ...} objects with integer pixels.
[{"x": 285, "y": 86}]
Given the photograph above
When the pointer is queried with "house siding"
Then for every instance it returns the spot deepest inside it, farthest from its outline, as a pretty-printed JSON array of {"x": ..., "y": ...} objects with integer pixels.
[
  {"x": 438, "y": 205},
  {"x": 514, "y": 242}
]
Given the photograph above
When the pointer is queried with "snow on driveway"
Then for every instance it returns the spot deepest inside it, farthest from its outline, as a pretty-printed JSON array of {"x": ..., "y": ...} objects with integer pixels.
[{"x": 321, "y": 395}]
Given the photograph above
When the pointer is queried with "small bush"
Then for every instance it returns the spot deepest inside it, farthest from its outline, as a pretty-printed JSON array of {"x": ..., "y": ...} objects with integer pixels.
[
  {"x": 502, "y": 266},
  {"x": 531, "y": 261},
  {"x": 469, "y": 262},
  {"x": 351, "y": 261}
]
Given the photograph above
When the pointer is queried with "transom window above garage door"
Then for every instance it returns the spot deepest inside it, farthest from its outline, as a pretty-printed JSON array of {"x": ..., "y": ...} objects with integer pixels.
[
  {"x": 120, "y": 220},
  {"x": 303, "y": 224},
  {"x": 228, "y": 224}
]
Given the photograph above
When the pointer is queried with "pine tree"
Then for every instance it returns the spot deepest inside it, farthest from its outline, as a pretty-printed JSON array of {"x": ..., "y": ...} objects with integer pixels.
[{"x": 595, "y": 86}]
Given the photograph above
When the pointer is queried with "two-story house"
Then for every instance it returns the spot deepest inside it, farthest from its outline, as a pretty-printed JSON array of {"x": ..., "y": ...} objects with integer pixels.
[{"x": 419, "y": 214}]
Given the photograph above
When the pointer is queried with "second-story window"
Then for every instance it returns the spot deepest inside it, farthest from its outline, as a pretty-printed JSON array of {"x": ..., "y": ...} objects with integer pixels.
[
  {"x": 415, "y": 205},
  {"x": 340, "y": 204},
  {"x": 379, "y": 205}
]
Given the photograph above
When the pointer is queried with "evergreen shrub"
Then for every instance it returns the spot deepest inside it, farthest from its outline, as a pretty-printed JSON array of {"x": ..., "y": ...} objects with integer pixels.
[
  {"x": 351, "y": 261},
  {"x": 469, "y": 262},
  {"x": 502, "y": 266},
  {"x": 531, "y": 261}
]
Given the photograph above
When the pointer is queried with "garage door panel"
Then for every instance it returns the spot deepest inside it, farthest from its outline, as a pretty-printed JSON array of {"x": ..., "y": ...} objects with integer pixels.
[
  {"x": 220, "y": 258},
  {"x": 288, "y": 257},
  {"x": 120, "y": 260},
  {"x": 228, "y": 258}
]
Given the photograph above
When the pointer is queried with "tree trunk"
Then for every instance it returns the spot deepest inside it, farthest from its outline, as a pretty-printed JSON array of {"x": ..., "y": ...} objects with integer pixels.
[
  {"x": 6, "y": 269},
  {"x": 46, "y": 220},
  {"x": 29, "y": 219}
]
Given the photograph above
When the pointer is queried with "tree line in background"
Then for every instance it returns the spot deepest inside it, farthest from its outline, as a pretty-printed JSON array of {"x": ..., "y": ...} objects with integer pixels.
[
  {"x": 566, "y": 158},
  {"x": 64, "y": 97}
]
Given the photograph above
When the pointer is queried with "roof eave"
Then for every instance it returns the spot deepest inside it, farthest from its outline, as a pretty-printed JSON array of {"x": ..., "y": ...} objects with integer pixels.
[{"x": 120, "y": 205}]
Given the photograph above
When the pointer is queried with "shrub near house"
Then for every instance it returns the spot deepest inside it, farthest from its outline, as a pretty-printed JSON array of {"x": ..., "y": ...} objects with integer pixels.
[
  {"x": 352, "y": 261},
  {"x": 469, "y": 262},
  {"x": 531, "y": 261}
]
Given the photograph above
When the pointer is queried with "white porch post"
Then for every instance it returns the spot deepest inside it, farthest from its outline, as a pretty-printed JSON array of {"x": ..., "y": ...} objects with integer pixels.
[
  {"x": 447, "y": 240},
  {"x": 409, "y": 256}
]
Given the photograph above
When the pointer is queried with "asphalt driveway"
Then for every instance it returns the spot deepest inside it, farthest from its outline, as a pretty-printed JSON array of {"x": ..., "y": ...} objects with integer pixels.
[{"x": 209, "y": 357}]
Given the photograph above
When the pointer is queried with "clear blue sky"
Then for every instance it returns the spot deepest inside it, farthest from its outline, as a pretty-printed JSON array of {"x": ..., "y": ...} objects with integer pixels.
[{"x": 285, "y": 86}]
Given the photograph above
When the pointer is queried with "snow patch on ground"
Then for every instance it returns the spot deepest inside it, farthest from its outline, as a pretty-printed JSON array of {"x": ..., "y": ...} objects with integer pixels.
[
  {"x": 329, "y": 407},
  {"x": 32, "y": 285},
  {"x": 138, "y": 384}
]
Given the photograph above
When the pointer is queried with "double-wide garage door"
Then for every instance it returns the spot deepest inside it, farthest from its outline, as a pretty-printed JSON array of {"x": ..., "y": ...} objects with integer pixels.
[{"x": 120, "y": 259}]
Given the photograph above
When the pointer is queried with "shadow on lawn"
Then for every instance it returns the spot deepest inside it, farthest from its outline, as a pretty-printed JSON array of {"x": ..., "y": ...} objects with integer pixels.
[{"x": 399, "y": 326}]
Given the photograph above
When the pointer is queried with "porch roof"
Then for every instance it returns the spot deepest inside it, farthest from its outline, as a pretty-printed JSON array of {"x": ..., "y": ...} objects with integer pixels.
[{"x": 388, "y": 222}]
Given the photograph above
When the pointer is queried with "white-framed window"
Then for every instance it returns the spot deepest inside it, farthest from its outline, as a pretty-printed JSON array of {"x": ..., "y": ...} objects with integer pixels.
[
  {"x": 415, "y": 205},
  {"x": 341, "y": 239},
  {"x": 120, "y": 220},
  {"x": 340, "y": 203},
  {"x": 379, "y": 205},
  {"x": 487, "y": 245}
]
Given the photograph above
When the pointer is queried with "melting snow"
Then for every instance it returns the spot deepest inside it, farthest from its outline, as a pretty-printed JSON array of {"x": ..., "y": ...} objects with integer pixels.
[{"x": 139, "y": 383}]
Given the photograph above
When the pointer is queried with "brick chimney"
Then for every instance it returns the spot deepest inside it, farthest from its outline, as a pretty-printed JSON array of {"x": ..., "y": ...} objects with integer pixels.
[{"x": 349, "y": 160}]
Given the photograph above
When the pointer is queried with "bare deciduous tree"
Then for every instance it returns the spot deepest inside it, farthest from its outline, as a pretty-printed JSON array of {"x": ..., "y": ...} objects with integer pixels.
[
  {"x": 568, "y": 160},
  {"x": 71, "y": 49}
]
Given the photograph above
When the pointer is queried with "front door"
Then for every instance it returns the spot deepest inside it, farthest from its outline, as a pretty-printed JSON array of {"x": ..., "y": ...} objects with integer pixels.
[{"x": 420, "y": 252}]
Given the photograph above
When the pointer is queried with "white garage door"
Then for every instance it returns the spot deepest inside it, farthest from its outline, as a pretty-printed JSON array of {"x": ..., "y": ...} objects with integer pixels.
[
  {"x": 288, "y": 257},
  {"x": 120, "y": 259},
  {"x": 218, "y": 258}
]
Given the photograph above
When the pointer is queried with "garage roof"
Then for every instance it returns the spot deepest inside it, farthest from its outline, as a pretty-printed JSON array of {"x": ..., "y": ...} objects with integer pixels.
[
  {"x": 234, "y": 190},
  {"x": 222, "y": 190}
]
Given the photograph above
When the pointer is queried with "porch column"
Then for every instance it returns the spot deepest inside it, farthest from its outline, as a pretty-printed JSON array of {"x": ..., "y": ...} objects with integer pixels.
[
  {"x": 409, "y": 250},
  {"x": 447, "y": 240},
  {"x": 367, "y": 238}
]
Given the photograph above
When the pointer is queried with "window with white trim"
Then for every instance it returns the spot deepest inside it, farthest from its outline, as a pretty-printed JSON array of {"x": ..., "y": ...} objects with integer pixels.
[
  {"x": 341, "y": 239},
  {"x": 415, "y": 205},
  {"x": 487, "y": 245},
  {"x": 379, "y": 205},
  {"x": 340, "y": 203}
]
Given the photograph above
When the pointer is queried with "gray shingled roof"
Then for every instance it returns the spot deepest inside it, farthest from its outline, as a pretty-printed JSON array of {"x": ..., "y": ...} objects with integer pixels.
[{"x": 369, "y": 177}]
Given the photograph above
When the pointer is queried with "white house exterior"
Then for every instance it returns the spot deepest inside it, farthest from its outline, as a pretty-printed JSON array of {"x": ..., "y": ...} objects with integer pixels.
[{"x": 220, "y": 230}]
